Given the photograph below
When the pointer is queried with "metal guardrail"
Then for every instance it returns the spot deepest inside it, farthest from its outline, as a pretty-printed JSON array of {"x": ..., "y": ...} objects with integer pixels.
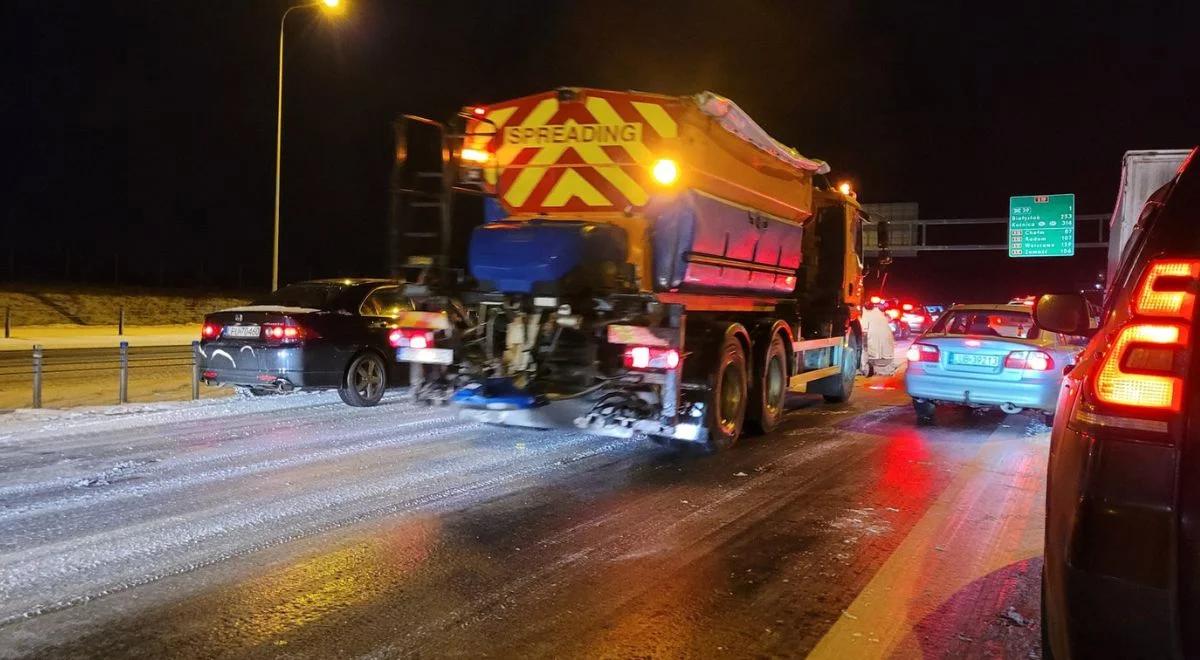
[{"x": 40, "y": 362}]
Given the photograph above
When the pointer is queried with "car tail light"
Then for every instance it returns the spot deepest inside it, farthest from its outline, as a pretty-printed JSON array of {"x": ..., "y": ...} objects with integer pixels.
[
  {"x": 285, "y": 333},
  {"x": 893, "y": 314},
  {"x": 411, "y": 338},
  {"x": 210, "y": 331},
  {"x": 923, "y": 353},
  {"x": 1031, "y": 360},
  {"x": 906, "y": 307},
  {"x": 651, "y": 357}
]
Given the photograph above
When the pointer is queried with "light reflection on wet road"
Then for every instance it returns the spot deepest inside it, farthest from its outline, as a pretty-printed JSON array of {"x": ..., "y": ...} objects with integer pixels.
[{"x": 849, "y": 532}]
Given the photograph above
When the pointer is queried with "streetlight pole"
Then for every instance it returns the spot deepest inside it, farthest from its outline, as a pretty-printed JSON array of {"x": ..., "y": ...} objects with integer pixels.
[{"x": 329, "y": 4}]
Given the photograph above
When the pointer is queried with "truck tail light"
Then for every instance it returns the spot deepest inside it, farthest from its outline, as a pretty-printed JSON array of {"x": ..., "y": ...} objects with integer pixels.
[
  {"x": 1032, "y": 360},
  {"x": 651, "y": 357},
  {"x": 210, "y": 330},
  {"x": 923, "y": 353},
  {"x": 411, "y": 338},
  {"x": 1139, "y": 369}
]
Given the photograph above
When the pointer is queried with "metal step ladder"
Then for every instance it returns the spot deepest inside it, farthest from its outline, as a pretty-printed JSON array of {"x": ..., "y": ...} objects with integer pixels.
[{"x": 420, "y": 208}]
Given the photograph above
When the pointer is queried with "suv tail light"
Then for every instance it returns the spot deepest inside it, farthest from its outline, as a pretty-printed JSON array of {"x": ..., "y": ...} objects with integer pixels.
[
  {"x": 1032, "y": 360},
  {"x": 651, "y": 357},
  {"x": 1140, "y": 367},
  {"x": 1139, "y": 381},
  {"x": 1168, "y": 289},
  {"x": 411, "y": 338},
  {"x": 923, "y": 353}
]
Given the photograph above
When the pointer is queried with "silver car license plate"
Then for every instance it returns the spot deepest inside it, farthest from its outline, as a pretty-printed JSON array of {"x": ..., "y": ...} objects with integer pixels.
[
  {"x": 241, "y": 331},
  {"x": 974, "y": 360}
]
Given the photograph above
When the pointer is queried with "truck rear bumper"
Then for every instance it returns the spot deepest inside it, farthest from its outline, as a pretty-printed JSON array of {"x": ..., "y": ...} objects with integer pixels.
[{"x": 572, "y": 415}]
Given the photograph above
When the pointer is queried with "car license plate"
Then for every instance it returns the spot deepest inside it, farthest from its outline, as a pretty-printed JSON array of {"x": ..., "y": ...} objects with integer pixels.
[
  {"x": 241, "y": 331},
  {"x": 974, "y": 360},
  {"x": 425, "y": 355}
]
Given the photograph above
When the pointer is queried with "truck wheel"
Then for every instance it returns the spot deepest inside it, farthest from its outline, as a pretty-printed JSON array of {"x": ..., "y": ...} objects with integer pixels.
[
  {"x": 364, "y": 382},
  {"x": 839, "y": 387},
  {"x": 769, "y": 389},
  {"x": 725, "y": 404}
]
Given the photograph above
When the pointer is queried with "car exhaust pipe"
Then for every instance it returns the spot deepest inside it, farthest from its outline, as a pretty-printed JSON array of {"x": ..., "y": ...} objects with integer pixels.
[{"x": 1010, "y": 408}]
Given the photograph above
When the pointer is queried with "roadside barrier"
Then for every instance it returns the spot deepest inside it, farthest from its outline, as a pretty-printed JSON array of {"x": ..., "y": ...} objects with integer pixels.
[{"x": 36, "y": 365}]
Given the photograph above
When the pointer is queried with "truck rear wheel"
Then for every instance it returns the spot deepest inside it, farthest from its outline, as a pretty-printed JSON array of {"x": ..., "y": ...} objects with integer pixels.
[
  {"x": 769, "y": 389},
  {"x": 725, "y": 404},
  {"x": 839, "y": 387}
]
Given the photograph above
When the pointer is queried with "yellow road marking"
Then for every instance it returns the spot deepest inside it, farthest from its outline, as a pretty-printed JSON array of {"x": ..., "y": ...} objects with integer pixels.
[{"x": 986, "y": 519}]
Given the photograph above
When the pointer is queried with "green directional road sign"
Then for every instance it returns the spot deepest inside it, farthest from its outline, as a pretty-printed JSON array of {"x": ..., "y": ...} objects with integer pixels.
[{"x": 1041, "y": 226}]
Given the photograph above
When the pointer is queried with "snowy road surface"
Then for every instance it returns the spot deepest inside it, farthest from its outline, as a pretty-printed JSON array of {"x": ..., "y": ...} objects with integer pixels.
[{"x": 297, "y": 527}]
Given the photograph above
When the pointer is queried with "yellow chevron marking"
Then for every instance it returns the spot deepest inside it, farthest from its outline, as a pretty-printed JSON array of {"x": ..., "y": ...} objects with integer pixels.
[
  {"x": 657, "y": 117},
  {"x": 545, "y": 109},
  {"x": 518, "y": 192},
  {"x": 603, "y": 111},
  {"x": 571, "y": 184},
  {"x": 500, "y": 117}
]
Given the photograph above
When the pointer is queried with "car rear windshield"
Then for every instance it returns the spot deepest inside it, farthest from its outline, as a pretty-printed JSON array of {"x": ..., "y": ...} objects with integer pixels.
[
  {"x": 314, "y": 296},
  {"x": 1010, "y": 324}
]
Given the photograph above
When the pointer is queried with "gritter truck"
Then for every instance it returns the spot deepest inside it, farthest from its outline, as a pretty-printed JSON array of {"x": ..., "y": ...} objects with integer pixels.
[{"x": 650, "y": 264}]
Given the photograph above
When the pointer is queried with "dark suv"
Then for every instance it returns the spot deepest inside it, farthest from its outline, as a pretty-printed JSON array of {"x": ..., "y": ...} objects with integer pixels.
[{"x": 1122, "y": 561}]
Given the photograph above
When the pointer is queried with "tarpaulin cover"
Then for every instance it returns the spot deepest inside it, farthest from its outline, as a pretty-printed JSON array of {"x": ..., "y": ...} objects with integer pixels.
[{"x": 736, "y": 121}]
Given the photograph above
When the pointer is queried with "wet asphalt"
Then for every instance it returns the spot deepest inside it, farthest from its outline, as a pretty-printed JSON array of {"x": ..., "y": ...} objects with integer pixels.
[{"x": 848, "y": 532}]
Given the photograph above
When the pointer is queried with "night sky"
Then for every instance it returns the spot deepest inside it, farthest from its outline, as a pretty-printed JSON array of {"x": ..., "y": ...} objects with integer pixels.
[{"x": 140, "y": 135}]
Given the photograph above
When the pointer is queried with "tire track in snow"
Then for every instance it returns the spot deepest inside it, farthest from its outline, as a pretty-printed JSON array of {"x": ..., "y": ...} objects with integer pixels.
[
  {"x": 172, "y": 462},
  {"x": 22, "y": 519},
  {"x": 33, "y": 582}
]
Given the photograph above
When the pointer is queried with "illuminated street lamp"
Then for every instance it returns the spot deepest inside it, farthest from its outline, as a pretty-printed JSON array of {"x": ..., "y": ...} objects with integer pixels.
[{"x": 328, "y": 6}]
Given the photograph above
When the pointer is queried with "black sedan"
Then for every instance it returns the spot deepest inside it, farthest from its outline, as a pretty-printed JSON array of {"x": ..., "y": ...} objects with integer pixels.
[
  {"x": 1122, "y": 563},
  {"x": 321, "y": 334}
]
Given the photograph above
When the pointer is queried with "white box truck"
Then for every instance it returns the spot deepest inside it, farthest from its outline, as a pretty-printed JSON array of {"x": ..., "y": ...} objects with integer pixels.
[{"x": 1142, "y": 172}]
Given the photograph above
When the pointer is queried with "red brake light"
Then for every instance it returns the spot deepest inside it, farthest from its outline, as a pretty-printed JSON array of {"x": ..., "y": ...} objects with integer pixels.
[
  {"x": 210, "y": 330},
  {"x": 1168, "y": 289},
  {"x": 284, "y": 333},
  {"x": 1032, "y": 360},
  {"x": 411, "y": 338},
  {"x": 1138, "y": 369},
  {"x": 478, "y": 111},
  {"x": 923, "y": 353},
  {"x": 906, "y": 307},
  {"x": 893, "y": 314},
  {"x": 876, "y": 299},
  {"x": 651, "y": 357}
]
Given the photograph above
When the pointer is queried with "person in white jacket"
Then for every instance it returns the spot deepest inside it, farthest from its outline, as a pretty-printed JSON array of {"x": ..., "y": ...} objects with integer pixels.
[{"x": 879, "y": 345}]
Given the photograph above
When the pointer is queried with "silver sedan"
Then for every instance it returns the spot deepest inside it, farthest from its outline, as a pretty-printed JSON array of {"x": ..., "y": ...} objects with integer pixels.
[{"x": 988, "y": 356}]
